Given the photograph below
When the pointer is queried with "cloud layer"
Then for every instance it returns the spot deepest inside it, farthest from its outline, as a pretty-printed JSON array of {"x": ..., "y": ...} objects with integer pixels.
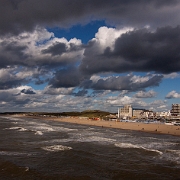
[
  {"x": 137, "y": 50},
  {"x": 23, "y": 15}
]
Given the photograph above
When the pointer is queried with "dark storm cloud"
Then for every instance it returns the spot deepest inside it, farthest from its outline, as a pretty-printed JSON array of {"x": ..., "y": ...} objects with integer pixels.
[
  {"x": 5, "y": 96},
  {"x": 69, "y": 77},
  {"x": 158, "y": 51},
  {"x": 56, "y": 49},
  {"x": 82, "y": 92},
  {"x": 12, "y": 54},
  {"x": 13, "y": 48},
  {"x": 140, "y": 51},
  {"x": 27, "y": 91},
  {"x": 59, "y": 48},
  {"x": 12, "y": 101},
  {"x": 72, "y": 77},
  {"x": 123, "y": 83},
  {"x": 12, "y": 83},
  {"x": 23, "y": 15}
]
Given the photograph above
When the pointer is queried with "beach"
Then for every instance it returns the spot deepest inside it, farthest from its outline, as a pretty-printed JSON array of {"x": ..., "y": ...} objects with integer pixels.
[{"x": 159, "y": 128}]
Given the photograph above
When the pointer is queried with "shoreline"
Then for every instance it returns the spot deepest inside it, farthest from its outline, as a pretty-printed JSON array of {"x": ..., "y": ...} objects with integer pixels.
[{"x": 149, "y": 128}]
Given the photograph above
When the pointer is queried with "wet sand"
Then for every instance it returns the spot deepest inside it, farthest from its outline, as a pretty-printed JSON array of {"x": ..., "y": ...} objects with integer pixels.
[{"x": 151, "y": 128}]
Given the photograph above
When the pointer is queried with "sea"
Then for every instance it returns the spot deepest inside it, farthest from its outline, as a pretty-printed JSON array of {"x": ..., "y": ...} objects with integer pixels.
[{"x": 34, "y": 149}]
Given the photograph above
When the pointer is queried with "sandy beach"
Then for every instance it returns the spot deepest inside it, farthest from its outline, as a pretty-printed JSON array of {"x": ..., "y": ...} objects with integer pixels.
[{"x": 151, "y": 128}]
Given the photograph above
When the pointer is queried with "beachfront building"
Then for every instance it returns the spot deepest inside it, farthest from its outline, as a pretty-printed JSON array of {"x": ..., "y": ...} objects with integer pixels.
[
  {"x": 147, "y": 114},
  {"x": 163, "y": 114},
  {"x": 175, "y": 111},
  {"x": 137, "y": 113},
  {"x": 125, "y": 112}
]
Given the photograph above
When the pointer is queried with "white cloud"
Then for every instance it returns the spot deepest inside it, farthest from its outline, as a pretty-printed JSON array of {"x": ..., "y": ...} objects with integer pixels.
[
  {"x": 139, "y": 79},
  {"x": 121, "y": 100},
  {"x": 105, "y": 37},
  {"x": 173, "y": 94},
  {"x": 123, "y": 92},
  {"x": 57, "y": 91},
  {"x": 162, "y": 107},
  {"x": 35, "y": 42},
  {"x": 172, "y": 75},
  {"x": 143, "y": 94}
]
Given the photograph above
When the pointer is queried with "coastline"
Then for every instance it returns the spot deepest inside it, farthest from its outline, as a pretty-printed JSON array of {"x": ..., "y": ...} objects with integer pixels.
[{"x": 149, "y": 128}]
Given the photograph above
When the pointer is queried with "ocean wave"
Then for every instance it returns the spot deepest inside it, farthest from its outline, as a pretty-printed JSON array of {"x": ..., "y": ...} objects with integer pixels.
[
  {"x": 95, "y": 139},
  {"x": 63, "y": 129},
  {"x": 7, "y": 153},
  {"x": 123, "y": 135},
  {"x": 56, "y": 148},
  {"x": 47, "y": 128},
  {"x": 172, "y": 155},
  {"x": 129, "y": 145},
  {"x": 176, "y": 152},
  {"x": 43, "y": 128},
  {"x": 159, "y": 145},
  {"x": 38, "y": 133},
  {"x": 58, "y": 141},
  {"x": 16, "y": 128}
]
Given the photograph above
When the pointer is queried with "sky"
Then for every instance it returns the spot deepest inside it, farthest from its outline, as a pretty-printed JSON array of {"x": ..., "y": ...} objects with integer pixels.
[{"x": 76, "y": 55}]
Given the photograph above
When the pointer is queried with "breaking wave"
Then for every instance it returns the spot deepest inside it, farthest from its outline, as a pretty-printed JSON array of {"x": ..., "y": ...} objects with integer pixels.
[
  {"x": 7, "y": 153},
  {"x": 176, "y": 152},
  {"x": 17, "y": 128},
  {"x": 38, "y": 133},
  {"x": 129, "y": 145},
  {"x": 56, "y": 148}
]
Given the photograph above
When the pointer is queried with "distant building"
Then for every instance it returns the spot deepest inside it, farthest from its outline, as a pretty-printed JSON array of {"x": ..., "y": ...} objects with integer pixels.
[
  {"x": 137, "y": 113},
  {"x": 125, "y": 112},
  {"x": 163, "y": 114},
  {"x": 175, "y": 111}
]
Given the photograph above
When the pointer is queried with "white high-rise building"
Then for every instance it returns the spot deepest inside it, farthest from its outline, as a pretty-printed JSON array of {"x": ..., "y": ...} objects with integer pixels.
[{"x": 125, "y": 112}]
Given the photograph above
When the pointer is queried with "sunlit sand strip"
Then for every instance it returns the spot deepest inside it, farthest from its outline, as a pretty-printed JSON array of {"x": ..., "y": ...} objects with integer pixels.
[{"x": 152, "y": 127}]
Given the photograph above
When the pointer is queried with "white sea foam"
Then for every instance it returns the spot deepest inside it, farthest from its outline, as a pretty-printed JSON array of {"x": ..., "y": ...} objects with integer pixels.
[
  {"x": 123, "y": 135},
  {"x": 7, "y": 153},
  {"x": 58, "y": 141},
  {"x": 95, "y": 139},
  {"x": 38, "y": 133},
  {"x": 91, "y": 128},
  {"x": 126, "y": 145},
  {"x": 17, "y": 128},
  {"x": 26, "y": 168},
  {"x": 43, "y": 128},
  {"x": 63, "y": 129},
  {"x": 79, "y": 138},
  {"x": 159, "y": 145},
  {"x": 129, "y": 145},
  {"x": 56, "y": 148},
  {"x": 152, "y": 150},
  {"x": 176, "y": 152},
  {"x": 47, "y": 128},
  {"x": 152, "y": 138},
  {"x": 172, "y": 155},
  {"x": 14, "y": 122}
]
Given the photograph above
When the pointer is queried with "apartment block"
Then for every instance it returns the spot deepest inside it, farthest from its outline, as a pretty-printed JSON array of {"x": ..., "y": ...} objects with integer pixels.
[
  {"x": 124, "y": 112},
  {"x": 175, "y": 111}
]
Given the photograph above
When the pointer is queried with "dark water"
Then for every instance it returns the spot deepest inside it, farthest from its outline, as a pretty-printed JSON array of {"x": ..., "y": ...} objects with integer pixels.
[{"x": 31, "y": 149}]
